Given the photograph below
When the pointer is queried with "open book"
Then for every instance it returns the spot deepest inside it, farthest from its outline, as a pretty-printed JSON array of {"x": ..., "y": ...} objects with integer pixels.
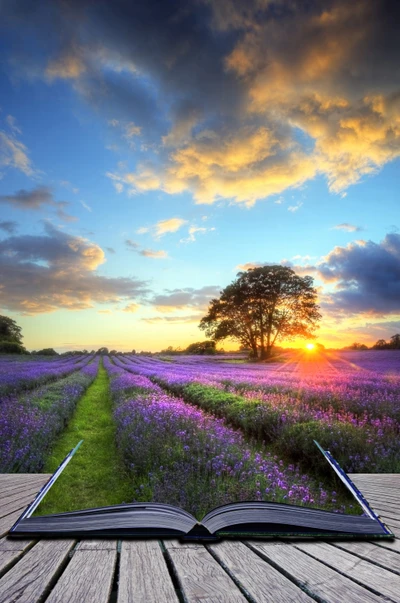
[{"x": 250, "y": 519}]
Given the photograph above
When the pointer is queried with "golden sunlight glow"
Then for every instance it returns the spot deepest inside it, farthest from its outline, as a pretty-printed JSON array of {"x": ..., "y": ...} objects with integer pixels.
[{"x": 310, "y": 346}]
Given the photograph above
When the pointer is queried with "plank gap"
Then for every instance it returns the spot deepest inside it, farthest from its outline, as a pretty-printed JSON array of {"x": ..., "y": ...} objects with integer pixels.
[
  {"x": 287, "y": 575},
  {"x": 231, "y": 575},
  {"x": 348, "y": 576},
  {"x": 173, "y": 574},
  {"x": 115, "y": 580}
]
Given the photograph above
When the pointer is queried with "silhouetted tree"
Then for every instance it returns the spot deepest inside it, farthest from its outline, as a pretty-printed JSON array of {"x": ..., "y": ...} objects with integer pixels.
[
  {"x": 9, "y": 330},
  {"x": 395, "y": 342},
  {"x": 201, "y": 347},
  {"x": 381, "y": 344},
  {"x": 262, "y": 306}
]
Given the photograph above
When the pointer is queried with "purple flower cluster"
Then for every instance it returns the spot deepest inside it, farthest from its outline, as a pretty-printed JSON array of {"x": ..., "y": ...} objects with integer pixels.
[{"x": 30, "y": 423}]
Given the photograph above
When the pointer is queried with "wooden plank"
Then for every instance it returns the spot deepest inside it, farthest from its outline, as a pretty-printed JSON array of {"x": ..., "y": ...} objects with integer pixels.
[
  {"x": 391, "y": 545},
  {"x": 380, "y": 580},
  {"x": 261, "y": 580},
  {"x": 143, "y": 573},
  {"x": 373, "y": 553},
  {"x": 201, "y": 577},
  {"x": 14, "y": 488},
  {"x": 390, "y": 521},
  {"x": 9, "y": 479},
  {"x": 8, "y": 521},
  {"x": 10, "y": 551},
  {"x": 382, "y": 495},
  {"x": 316, "y": 578},
  {"x": 13, "y": 494},
  {"x": 33, "y": 575},
  {"x": 21, "y": 503},
  {"x": 88, "y": 576}
]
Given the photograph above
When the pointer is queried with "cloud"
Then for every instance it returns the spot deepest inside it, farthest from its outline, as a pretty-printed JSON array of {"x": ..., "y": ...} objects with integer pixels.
[
  {"x": 110, "y": 249},
  {"x": 233, "y": 101},
  {"x": 178, "y": 299},
  {"x": 12, "y": 124},
  {"x": 85, "y": 205},
  {"x": 162, "y": 227},
  {"x": 193, "y": 230},
  {"x": 131, "y": 244},
  {"x": 170, "y": 225},
  {"x": 8, "y": 226},
  {"x": 69, "y": 186},
  {"x": 14, "y": 154},
  {"x": 151, "y": 253},
  {"x": 148, "y": 253},
  {"x": 104, "y": 311},
  {"x": 131, "y": 308},
  {"x": 36, "y": 199},
  {"x": 132, "y": 130},
  {"x": 366, "y": 278},
  {"x": 296, "y": 207},
  {"x": 348, "y": 227},
  {"x": 68, "y": 65},
  {"x": 189, "y": 319},
  {"x": 58, "y": 271}
]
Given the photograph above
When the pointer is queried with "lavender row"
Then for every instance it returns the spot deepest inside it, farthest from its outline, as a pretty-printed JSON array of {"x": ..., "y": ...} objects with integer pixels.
[
  {"x": 30, "y": 423},
  {"x": 366, "y": 439},
  {"x": 17, "y": 376},
  {"x": 180, "y": 455}
]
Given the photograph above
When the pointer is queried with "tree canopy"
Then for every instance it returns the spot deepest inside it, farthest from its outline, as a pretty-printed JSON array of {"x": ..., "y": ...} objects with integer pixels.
[
  {"x": 201, "y": 347},
  {"x": 9, "y": 330},
  {"x": 262, "y": 306}
]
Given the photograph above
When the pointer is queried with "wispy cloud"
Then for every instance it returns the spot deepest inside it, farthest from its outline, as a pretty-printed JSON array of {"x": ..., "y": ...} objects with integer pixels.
[
  {"x": 36, "y": 199},
  {"x": 85, "y": 205},
  {"x": 151, "y": 253},
  {"x": 163, "y": 227},
  {"x": 296, "y": 207},
  {"x": 348, "y": 227},
  {"x": 8, "y": 226},
  {"x": 148, "y": 253},
  {"x": 14, "y": 154},
  {"x": 193, "y": 230},
  {"x": 131, "y": 308}
]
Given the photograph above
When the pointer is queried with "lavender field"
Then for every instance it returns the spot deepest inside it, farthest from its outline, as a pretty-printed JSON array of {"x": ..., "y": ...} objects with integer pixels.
[{"x": 202, "y": 431}]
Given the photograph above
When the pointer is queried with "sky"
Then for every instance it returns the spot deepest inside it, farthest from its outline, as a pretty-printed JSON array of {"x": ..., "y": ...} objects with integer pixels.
[{"x": 149, "y": 151}]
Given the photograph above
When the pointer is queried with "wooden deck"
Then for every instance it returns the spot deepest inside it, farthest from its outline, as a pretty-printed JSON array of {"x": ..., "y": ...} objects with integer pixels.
[{"x": 153, "y": 571}]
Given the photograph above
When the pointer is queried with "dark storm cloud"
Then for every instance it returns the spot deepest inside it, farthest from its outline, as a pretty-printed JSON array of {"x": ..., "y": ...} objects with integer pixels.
[
  {"x": 366, "y": 276},
  {"x": 58, "y": 271},
  {"x": 38, "y": 198},
  {"x": 9, "y": 226}
]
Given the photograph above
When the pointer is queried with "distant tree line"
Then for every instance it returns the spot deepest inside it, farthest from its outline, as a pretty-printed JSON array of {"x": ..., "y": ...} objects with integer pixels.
[{"x": 381, "y": 344}]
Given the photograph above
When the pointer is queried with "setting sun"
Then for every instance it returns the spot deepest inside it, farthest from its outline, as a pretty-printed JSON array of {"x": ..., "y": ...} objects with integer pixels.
[{"x": 310, "y": 346}]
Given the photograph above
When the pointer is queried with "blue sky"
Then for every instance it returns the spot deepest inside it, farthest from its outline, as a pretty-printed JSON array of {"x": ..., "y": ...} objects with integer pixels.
[{"x": 148, "y": 154}]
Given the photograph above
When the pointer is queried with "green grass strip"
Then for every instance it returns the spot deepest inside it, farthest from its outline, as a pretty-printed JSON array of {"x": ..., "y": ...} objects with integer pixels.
[{"x": 95, "y": 476}]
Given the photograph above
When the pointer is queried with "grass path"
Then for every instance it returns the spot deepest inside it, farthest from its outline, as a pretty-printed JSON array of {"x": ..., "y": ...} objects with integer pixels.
[{"x": 95, "y": 476}]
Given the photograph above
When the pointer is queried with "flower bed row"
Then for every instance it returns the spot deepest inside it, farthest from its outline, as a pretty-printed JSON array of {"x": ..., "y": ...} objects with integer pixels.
[
  {"x": 18, "y": 375},
  {"x": 180, "y": 455},
  {"x": 30, "y": 423},
  {"x": 360, "y": 443}
]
